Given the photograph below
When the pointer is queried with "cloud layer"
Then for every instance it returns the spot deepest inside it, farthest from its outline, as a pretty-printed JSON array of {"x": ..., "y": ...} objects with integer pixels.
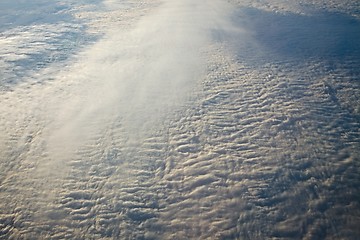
[{"x": 181, "y": 120}]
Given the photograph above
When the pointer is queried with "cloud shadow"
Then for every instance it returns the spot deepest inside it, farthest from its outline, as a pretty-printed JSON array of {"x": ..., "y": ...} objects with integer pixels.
[{"x": 277, "y": 36}]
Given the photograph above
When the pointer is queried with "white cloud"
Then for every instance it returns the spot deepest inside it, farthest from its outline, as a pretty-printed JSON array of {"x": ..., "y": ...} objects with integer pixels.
[{"x": 180, "y": 121}]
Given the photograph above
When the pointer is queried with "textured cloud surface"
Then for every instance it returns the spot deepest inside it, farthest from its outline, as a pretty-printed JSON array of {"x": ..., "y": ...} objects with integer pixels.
[{"x": 219, "y": 119}]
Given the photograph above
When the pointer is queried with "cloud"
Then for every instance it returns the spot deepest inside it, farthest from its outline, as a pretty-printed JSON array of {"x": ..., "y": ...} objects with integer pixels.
[{"x": 185, "y": 119}]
